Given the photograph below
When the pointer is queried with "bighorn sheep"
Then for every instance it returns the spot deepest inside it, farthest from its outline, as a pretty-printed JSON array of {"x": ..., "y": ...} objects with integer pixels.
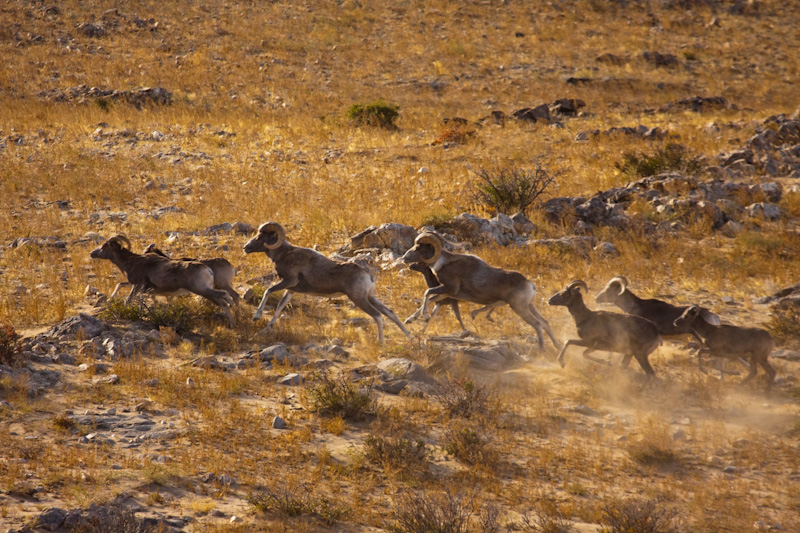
[
  {"x": 160, "y": 276},
  {"x": 661, "y": 313},
  {"x": 432, "y": 281},
  {"x": 731, "y": 342},
  {"x": 631, "y": 335},
  {"x": 307, "y": 271},
  {"x": 222, "y": 268},
  {"x": 469, "y": 278}
]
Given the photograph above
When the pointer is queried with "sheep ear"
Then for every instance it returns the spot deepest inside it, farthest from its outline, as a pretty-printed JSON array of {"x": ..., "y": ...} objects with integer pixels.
[{"x": 711, "y": 318}]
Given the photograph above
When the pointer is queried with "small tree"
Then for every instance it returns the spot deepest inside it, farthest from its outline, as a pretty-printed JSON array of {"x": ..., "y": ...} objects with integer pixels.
[{"x": 512, "y": 189}]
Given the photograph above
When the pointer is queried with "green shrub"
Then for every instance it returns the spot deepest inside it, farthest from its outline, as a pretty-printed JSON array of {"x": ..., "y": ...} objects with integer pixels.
[
  {"x": 512, "y": 189},
  {"x": 377, "y": 113},
  {"x": 672, "y": 157},
  {"x": 178, "y": 315}
]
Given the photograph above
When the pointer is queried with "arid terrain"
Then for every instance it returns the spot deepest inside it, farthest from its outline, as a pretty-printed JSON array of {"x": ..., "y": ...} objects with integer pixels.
[{"x": 657, "y": 140}]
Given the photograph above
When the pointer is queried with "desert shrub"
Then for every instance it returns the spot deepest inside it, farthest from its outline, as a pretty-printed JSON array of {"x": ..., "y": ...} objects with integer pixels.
[
  {"x": 342, "y": 398},
  {"x": 784, "y": 324},
  {"x": 469, "y": 447},
  {"x": 672, "y": 157},
  {"x": 546, "y": 517},
  {"x": 9, "y": 345},
  {"x": 455, "y": 134},
  {"x": 463, "y": 399},
  {"x": 377, "y": 113},
  {"x": 512, "y": 189},
  {"x": 178, "y": 315},
  {"x": 431, "y": 513},
  {"x": 638, "y": 516},
  {"x": 654, "y": 448},
  {"x": 292, "y": 501},
  {"x": 397, "y": 454}
]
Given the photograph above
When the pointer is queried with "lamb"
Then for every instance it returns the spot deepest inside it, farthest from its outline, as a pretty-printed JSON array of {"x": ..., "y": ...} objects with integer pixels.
[
  {"x": 222, "y": 268},
  {"x": 307, "y": 271},
  {"x": 432, "y": 281},
  {"x": 631, "y": 335},
  {"x": 469, "y": 278},
  {"x": 161, "y": 276},
  {"x": 731, "y": 342}
]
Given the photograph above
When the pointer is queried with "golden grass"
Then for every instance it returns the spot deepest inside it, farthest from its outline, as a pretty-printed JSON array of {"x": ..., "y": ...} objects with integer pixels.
[{"x": 258, "y": 131}]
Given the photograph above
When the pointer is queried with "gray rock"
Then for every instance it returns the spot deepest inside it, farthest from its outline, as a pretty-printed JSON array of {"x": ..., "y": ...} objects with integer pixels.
[
  {"x": 64, "y": 359},
  {"x": 585, "y": 410},
  {"x": 392, "y": 387},
  {"x": 50, "y": 519},
  {"x": 276, "y": 353},
  {"x": 401, "y": 368},
  {"x": 731, "y": 228},
  {"x": 730, "y": 469},
  {"x": 85, "y": 325},
  {"x": 606, "y": 248},
  {"x": 764, "y": 210},
  {"x": 278, "y": 423},
  {"x": 398, "y": 238},
  {"x": 291, "y": 379}
]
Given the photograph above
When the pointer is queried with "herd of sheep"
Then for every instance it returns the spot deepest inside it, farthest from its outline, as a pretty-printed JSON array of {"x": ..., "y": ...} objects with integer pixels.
[{"x": 451, "y": 277}]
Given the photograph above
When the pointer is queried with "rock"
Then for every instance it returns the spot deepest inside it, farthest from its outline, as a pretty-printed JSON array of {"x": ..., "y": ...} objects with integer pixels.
[
  {"x": 679, "y": 434},
  {"x": 291, "y": 379},
  {"x": 522, "y": 224},
  {"x": 585, "y": 410},
  {"x": 477, "y": 231},
  {"x": 392, "y": 387},
  {"x": 731, "y": 228},
  {"x": 401, "y": 368},
  {"x": 764, "y": 210},
  {"x": 111, "y": 379},
  {"x": 146, "y": 405},
  {"x": 50, "y": 519},
  {"x": 606, "y": 248},
  {"x": 81, "y": 324},
  {"x": 278, "y": 423},
  {"x": 730, "y": 469},
  {"x": 398, "y": 238},
  {"x": 566, "y": 107},
  {"x": 658, "y": 59},
  {"x": 533, "y": 114},
  {"x": 578, "y": 244},
  {"x": 698, "y": 104},
  {"x": 91, "y": 30},
  {"x": 64, "y": 359},
  {"x": 276, "y": 353}
]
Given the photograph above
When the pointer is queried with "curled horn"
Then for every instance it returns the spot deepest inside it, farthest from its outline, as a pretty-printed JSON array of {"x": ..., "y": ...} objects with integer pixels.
[
  {"x": 277, "y": 229},
  {"x": 433, "y": 240},
  {"x": 122, "y": 240},
  {"x": 623, "y": 283},
  {"x": 578, "y": 284}
]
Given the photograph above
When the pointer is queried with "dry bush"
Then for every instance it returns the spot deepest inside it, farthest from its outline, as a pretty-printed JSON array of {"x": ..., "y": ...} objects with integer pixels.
[
  {"x": 671, "y": 157},
  {"x": 397, "y": 455},
  {"x": 470, "y": 447},
  {"x": 340, "y": 397},
  {"x": 415, "y": 512},
  {"x": 547, "y": 516},
  {"x": 513, "y": 189},
  {"x": 638, "y": 516},
  {"x": 377, "y": 113},
  {"x": 296, "y": 501},
  {"x": 464, "y": 398},
  {"x": 655, "y": 447},
  {"x": 9, "y": 345},
  {"x": 784, "y": 324}
]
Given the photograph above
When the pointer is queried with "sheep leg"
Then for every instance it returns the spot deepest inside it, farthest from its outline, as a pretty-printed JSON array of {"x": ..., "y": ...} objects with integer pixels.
[
  {"x": 282, "y": 284},
  {"x": 414, "y": 316},
  {"x": 486, "y": 309},
  {"x": 365, "y": 305},
  {"x": 535, "y": 312},
  {"x": 136, "y": 289},
  {"x": 645, "y": 364},
  {"x": 234, "y": 295},
  {"x": 441, "y": 291},
  {"x": 118, "y": 287},
  {"x": 567, "y": 344},
  {"x": 281, "y": 305},
  {"x": 753, "y": 370},
  {"x": 768, "y": 369},
  {"x": 589, "y": 350},
  {"x": 428, "y": 322},
  {"x": 389, "y": 313},
  {"x": 457, "y": 313}
]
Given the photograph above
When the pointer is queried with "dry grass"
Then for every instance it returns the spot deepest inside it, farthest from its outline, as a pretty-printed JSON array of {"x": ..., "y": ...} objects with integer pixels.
[{"x": 258, "y": 130}]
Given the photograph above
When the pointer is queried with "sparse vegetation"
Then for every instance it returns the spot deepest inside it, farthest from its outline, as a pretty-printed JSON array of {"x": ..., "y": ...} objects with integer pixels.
[
  {"x": 671, "y": 157},
  {"x": 339, "y": 397},
  {"x": 253, "y": 125},
  {"x": 513, "y": 189},
  {"x": 378, "y": 113},
  {"x": 638, "y": 515}
]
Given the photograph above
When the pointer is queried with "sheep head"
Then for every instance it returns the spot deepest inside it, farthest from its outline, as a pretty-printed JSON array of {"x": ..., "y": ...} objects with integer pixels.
[
  {"x": 112, "y": 246},
  {"x": 613, "y": 290},
  {"x": 569, "y": 293},
  {"x": 271, "y": 235},
  {"x": 427, "y": 249}
]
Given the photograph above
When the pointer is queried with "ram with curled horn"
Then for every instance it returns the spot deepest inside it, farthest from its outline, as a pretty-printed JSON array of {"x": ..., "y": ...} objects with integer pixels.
[
  {"x": 469, "y": 278},
  {"x": 630, "y": 335},
  {"x": 661, "y": 313},
  {"x": 160, "y": 276},
  {"x": 307, "y": 271}
]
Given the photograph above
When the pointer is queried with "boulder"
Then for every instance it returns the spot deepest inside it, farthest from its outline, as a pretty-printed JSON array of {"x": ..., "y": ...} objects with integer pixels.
[
  {"x": 81, "y": 324},
  {"x": 398, "y": 238},
  {"x": 401, "y": 368}
]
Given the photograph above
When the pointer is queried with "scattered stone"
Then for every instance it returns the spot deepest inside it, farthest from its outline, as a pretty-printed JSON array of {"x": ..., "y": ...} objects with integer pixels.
[
  {"x": 291, "y": 379},
  {"x": 764, "y": 210},
  {"x": 82, "y": 324},
  {"x": 698, "y": 104},
  {"x": 658, "y": 59},
  {"x": 111, "y": 379}
]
